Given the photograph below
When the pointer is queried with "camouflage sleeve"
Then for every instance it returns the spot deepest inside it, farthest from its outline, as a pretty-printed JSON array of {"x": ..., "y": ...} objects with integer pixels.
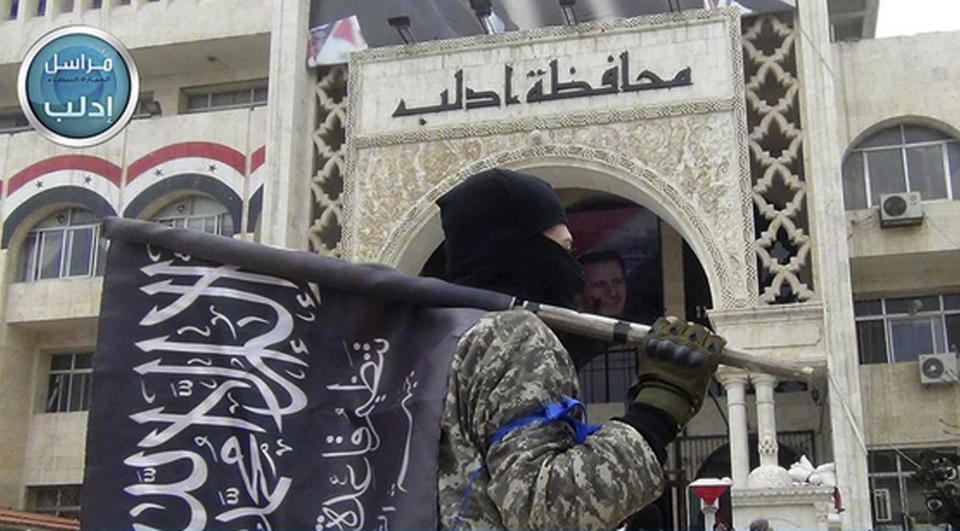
[{"x": 538, "y": 476}]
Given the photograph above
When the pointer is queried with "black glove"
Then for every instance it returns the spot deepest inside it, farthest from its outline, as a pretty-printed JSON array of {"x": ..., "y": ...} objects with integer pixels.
[{"x": 675, "y": 363}]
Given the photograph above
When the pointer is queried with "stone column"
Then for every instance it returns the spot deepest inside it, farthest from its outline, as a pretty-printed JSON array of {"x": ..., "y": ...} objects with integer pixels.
[
  {"x": 286, "y": 194},
  {"x": 823, "y": 146},
  {"x": 766, "y": 419},
  {"x": 735, "y": 383}
]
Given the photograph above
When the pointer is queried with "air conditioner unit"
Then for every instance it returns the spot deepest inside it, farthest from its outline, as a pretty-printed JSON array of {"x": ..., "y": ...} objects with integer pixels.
[
  {"x": 902, "y": 208},
  {"x": 938, "y": 368}
]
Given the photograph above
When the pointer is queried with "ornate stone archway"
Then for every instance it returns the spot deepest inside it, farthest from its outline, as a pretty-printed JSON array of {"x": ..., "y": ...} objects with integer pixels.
[{"x": 417, "y": 235}]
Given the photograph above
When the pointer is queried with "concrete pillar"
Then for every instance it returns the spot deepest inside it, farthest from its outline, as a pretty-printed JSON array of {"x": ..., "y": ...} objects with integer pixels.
[
  {"x": 766, "y": 418},
  {"x": 287, "y": 198},
  {"x": 823, "y": 149},
  {"x": 735, "y": 384},
  {"x": 671, "y": 253}
]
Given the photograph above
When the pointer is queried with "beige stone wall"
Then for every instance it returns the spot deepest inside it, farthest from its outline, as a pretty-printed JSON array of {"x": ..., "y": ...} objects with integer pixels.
[
  {"x": 55, "y": 449},
  {"x": 885, "y": 79},
  {"x": 902, "y": 412}
]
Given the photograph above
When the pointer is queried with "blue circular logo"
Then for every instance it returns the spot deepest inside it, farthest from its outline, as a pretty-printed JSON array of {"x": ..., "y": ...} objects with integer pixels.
[{"x": 78, "y": 86}]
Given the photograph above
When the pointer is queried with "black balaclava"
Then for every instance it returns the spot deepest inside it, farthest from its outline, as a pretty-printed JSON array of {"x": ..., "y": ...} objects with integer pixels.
[{"x": 493, "y": 223}]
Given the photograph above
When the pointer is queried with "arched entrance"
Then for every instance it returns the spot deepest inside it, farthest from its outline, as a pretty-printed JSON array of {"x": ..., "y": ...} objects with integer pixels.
[
  {"x": 636, "y": 268},
  {"x": 417, "y": 236}
]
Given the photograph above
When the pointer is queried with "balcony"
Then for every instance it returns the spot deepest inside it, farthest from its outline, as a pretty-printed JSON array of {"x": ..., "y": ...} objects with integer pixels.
[
  {"x": 137, "y": 23},
  {"x": 165, "y": 37}
]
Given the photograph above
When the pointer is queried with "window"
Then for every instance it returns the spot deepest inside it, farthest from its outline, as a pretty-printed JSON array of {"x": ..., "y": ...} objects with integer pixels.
[
  {"x": 231, "y": 97},
  {"x": 58, "y": 500},
  {"x": 67, "y": 244},
  {"x": 198, "y": 213},
  {"x": 70, "y": 383},
  {"x": 13, "y": 121},
  {"x": 897, "y": 330},
  {"x": 881, "y": 505},
  {"x": 898, "y": 501},
  {"x": 904, "y": 158}
]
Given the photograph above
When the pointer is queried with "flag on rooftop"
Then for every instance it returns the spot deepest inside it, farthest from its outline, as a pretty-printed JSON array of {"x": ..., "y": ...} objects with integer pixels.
[{"x": 331, "y": 43}]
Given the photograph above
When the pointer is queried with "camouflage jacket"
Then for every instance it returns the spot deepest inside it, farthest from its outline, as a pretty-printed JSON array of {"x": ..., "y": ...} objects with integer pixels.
[{"x": 507, "y": 366}]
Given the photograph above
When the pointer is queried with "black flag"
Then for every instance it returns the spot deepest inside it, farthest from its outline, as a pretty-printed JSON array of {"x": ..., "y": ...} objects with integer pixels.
[{"x": 240, "y": 386}]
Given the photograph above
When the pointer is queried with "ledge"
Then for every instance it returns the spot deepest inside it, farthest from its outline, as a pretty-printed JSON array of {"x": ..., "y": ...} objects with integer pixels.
[{"x": 54, "y": 300}]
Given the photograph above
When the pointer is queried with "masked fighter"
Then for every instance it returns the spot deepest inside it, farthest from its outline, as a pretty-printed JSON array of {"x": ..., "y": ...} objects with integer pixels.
[{"x": 513, "y": 451}]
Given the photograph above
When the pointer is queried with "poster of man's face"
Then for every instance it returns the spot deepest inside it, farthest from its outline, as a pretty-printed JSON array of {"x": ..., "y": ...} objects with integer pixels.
[
  {"x": 605, "y": 283},
  {"x": 619, "y": 249}
]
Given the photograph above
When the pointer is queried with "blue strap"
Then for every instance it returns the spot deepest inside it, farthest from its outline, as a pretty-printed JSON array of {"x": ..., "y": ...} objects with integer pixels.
[
  {"x": 552, "y": 411},
  {"x": 562, "y": 410}
]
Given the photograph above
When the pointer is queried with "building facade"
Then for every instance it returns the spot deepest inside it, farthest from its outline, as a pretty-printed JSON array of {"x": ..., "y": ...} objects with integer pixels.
[{"x": 740, "y": 180}]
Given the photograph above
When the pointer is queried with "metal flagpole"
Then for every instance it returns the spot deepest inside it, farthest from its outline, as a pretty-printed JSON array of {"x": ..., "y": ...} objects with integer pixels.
[{"x": 625, "y": 332}]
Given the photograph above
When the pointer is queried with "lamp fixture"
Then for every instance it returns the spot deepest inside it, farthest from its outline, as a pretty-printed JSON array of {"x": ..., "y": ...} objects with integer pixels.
[
  {"x": 569, "y": 16},
  {"x": 484, "y": 11},
  {"x": 402, "y": 25}
]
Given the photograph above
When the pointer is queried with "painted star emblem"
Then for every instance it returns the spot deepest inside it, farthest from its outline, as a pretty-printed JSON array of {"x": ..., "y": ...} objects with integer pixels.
[
  {"x": 212, "y": 168},
  {"x": 87, "y": 179},
  {"x": 158, "y": 172},
  {"x": 39, "y": 184}
]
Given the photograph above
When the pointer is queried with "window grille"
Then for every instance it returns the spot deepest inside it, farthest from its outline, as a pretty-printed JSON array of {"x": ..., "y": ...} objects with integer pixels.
[
  {"x": 67, "y": 244},
  {"x": 902, "y": 329},
  {"x": 56, "y": 500},
  {"x": 903, "y": 158},
  {"x": 70, "y": 383}
]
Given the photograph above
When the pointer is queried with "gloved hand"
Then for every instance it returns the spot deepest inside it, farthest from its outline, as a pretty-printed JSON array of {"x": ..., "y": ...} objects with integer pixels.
[{"x": 675, "y": 363}]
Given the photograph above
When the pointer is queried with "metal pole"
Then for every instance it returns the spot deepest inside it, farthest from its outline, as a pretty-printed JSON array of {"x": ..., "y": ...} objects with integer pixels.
[{"x": 616, "y": 331}]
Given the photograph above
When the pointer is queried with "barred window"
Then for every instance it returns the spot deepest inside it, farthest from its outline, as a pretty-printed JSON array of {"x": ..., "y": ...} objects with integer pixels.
[
  {"x": 197, "y": 213},
  {"x": 898, "y": 501},
  {"x": 903, "y": 158},
  {"x": 55, "y": 500},
  {"x": 67, "y": 244},
  {"x": 201, "y": 99},
  {"x": 902, "y": 329},
  {"x": 71, "y": 378}
]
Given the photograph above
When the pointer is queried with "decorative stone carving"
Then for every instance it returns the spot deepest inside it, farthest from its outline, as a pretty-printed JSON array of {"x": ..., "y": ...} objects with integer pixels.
[
  {"x": 692, "y": 150},
  {"x": 768, "y": 447},
  {"x": 779, "y": 190},
  {"x": 329, "y": 139}
]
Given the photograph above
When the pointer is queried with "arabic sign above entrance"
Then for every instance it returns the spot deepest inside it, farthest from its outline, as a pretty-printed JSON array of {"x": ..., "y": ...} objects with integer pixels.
[
  {"x": 590, "y": 68},
  {"x": 615, "y": 79}
]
